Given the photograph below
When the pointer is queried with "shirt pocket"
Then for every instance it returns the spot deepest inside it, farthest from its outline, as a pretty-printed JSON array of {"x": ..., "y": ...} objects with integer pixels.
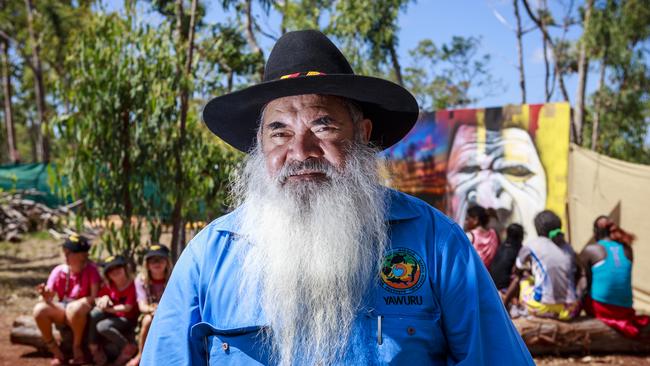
[
  {"x": 404, "y": 338},
  {"x": 234, "y": 346}
]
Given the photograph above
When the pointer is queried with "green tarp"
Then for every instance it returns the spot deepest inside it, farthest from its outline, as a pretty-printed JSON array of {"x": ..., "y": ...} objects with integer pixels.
[{"x": 34, "y": 176}]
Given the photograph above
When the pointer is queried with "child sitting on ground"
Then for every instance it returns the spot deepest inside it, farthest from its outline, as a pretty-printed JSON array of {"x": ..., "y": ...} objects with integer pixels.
[
  {"x": 116, "y": 313},
  {"x": 75, "y": 284},
  {"x": 149, "y": 287}
]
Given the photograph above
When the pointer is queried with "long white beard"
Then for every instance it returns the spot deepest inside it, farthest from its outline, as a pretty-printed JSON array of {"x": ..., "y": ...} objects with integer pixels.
[{"x": 316, "y": 249}]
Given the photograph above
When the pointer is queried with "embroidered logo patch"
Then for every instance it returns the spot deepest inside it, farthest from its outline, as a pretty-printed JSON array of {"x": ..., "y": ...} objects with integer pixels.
[{"x": 402, "y": 271}]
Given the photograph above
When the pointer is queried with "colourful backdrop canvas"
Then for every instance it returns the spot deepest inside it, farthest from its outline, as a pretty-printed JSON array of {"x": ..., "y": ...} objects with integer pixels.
[{"x": 513, "y": 159}]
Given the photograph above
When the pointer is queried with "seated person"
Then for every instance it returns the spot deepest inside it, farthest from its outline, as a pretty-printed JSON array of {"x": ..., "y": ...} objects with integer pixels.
[
  {"x": 551, "y": 292},
  {"x": 485, "y": 240},
  {"x": 115, "y": 315},
  {"x": 75, "y": 285},
  {"x": 503, "y": 263},
  {"x": 608, "y": 263},
  {"x": 149, "y": 287}
]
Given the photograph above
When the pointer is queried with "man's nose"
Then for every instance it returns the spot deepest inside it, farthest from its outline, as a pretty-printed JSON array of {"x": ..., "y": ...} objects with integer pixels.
[{"x": 304, "y": 146}]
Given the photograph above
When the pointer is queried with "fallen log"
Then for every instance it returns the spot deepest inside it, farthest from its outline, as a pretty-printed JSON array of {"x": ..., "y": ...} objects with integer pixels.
[
  {"x": 580, "y": 336},
  {"x": 24, "y": 331},
  {"x": 542, "y": 336}
]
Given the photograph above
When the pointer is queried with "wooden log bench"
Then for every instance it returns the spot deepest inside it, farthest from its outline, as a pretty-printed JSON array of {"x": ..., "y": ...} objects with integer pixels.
[
  {"x": 542, "y": 336},
  {"x": 580, "y": 336},
  {"x": 24, "y": 331}
]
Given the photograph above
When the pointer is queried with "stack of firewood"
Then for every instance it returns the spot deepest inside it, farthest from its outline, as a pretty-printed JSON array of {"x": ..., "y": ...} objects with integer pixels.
[{"x": 20, "y": 215}]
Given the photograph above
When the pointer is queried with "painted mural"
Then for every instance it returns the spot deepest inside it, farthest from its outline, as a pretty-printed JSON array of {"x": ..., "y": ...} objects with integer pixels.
[{"x": 513, "y": 159}]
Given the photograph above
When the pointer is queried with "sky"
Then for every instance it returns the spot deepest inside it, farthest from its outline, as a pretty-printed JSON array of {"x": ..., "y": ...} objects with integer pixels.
[{"x": 440, "y": 20}]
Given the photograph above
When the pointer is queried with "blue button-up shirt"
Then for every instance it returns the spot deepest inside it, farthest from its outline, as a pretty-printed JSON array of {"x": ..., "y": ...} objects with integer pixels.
[{"x": 434, "y": 302}]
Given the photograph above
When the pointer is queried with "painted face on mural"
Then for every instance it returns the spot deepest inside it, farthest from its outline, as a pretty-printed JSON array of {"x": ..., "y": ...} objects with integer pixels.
[{"x": 497, "y": 169}]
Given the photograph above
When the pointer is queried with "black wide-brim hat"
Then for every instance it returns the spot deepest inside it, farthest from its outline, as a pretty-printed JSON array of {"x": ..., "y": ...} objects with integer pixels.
[{"x": 307, "y": 62}]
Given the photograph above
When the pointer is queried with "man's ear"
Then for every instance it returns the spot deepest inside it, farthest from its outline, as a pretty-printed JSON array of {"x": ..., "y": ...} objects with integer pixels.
[{"x": 365, "y": 127}]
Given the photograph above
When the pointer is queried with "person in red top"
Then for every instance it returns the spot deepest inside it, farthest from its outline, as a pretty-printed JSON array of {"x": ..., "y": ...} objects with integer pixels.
[
  {"x": 75, "y": 285},
  {"x": 115, "y": 315}
]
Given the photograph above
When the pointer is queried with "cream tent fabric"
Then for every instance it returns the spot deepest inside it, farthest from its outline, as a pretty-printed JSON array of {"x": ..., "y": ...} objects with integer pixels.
[{"x": 602, "y": 185}]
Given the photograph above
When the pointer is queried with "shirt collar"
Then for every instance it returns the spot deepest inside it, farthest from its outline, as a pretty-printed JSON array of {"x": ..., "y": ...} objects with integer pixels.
[{"x": 400, "y": 206}]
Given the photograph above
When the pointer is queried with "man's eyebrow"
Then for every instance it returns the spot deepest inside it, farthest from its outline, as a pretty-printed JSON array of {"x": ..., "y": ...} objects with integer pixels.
[
  {"x": 322, "y": 121},
  {"x": 276, "y": 125}
]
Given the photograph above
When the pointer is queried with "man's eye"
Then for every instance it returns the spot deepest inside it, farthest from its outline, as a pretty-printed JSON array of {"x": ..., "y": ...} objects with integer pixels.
[
  {"x": 323, "y": 129},
  {"x": 470, "y": 169},
  {"x": 516, "y": 171},
  {"x": 279, "y": 134}
]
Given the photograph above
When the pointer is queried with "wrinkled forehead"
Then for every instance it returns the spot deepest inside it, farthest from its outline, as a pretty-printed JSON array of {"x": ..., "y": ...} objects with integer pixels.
[
  {"x": 481, "y": 140},
  {"x": 295, "y": 104}
]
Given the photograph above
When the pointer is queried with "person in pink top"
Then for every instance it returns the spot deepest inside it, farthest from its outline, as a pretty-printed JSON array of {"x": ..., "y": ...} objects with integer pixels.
[
  {"x": 149, "y": 286},
  {"x": 67, "y": 297},
  {"x": 485, "y": 240}
]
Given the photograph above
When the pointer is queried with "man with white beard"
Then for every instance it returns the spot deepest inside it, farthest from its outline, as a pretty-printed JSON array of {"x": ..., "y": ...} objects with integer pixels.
[{"x": 320, "y": 264}]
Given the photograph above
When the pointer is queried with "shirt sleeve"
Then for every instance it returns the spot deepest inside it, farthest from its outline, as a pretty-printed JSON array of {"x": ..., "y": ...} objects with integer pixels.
[
  {"x": 52, "y": 281},
  {"x": 103, "y": 290},
  {"x": 140, "y": 292},
  {"x": 95, "y": 277},
  {"x": 476, "y": 324},
  {"x": 522, "y": 258},
  {"x": 169, "y": 340},
  {"x": 131, "y": 297}
]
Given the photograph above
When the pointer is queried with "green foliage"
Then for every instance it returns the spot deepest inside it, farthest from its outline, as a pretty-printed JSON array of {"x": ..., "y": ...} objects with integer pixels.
[
  {"x": 618, "y": 36},
  {"x": 367, "y": 30},
  {"x": 224, "y": 57},
  {"x": 123, "y": 131},
  {"x": 449, "y": 75}
]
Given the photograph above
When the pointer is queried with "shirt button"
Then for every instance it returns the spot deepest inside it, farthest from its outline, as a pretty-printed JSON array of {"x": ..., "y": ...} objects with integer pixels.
[
  {"x": 225, "y": 346},
  {"x": 410, "y": 330}
]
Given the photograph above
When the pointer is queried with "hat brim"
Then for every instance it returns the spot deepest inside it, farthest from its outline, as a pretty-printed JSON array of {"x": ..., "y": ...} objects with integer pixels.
[
  {"x": 157, "y": 253},
  {"x": 76, "y": 249},
  {"x": 391, "y": 108}
]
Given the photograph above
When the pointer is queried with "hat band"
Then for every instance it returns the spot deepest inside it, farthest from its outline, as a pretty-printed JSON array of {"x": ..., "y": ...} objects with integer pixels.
[{"x": 296, "y": 74}]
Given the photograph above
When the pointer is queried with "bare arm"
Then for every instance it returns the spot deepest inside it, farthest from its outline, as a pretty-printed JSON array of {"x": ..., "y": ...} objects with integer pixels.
[
  {"x": 94, "y": 289},
  {"x": 147, "y": 308},
  {"x": 124, "y": 308},
  {"x": 513, "y": 287}
]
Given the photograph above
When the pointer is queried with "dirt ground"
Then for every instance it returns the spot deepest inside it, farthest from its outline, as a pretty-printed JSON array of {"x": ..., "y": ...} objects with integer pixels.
[{"x": 26, "y": 264}]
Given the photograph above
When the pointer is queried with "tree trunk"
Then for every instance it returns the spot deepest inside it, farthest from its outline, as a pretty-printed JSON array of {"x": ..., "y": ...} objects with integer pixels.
[
  {"x": 583, "y": 66},
  {"x": 547, "y": 72},
  {"x": 43, "y": 148},
  {"x": 250, "y": 35},
  {"x": 9, "y": 116},
  {"x": 598, "y": 103},
  {"x": 520, "y": 52},
  {"x": 548, "y": 41},
  {"x": 127, "y": 204},
  {"x": 185, "y": 71},
  {"x": 395, "y": 61}
]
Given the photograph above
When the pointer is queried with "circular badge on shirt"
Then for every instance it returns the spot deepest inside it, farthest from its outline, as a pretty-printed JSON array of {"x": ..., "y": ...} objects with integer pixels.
[{"x": 402, "y": 271}]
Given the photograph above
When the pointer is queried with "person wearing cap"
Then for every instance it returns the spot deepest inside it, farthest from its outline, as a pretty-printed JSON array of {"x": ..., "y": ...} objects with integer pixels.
[
  {"x": 319, "y": 264},
  {"x": 115, "y": 315},
  {"x": 67, "y": 297},
  {"x": 558, "y": 281},
  {"x": 149, "y": 287}
]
